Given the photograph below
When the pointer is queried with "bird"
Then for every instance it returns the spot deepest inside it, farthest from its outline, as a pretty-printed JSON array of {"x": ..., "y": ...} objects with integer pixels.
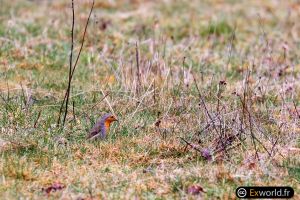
[{"x": 101, "y": 128}]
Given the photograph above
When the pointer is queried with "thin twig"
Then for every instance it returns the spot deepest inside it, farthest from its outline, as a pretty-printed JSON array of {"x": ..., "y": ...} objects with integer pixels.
[
  {"x": 227, "y": 149},
  {"x": 72, "y": 68},
  {"x": 204, "y": 105},
  {"x": 66, "y": 97},
  {"x": 100, "y": 100},
  {"x": 74, "y": 117},
  {"x": 191, "y": 145},
  {"x": 109, "y": 105},
  {"x": 37, "y": 119},
  {"x": 295, "y": 106},
  {"x": 75, "y": 65},
  {"x": 182, "y": 70},
  {"x": 138, "y": 68}
]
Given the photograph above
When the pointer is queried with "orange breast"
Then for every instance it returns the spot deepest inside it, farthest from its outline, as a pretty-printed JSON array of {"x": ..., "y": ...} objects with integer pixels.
[{"x": 107, "y": 125}]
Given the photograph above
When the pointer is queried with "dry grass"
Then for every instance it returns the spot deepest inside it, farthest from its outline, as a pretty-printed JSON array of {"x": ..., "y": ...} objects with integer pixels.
[{"x": 244, "y": 56}]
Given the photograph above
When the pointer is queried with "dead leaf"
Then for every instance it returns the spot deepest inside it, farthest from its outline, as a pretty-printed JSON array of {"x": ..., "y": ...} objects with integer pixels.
[
  {"x": 53, "y": 188},
  {"x": 195, "y": 189}
]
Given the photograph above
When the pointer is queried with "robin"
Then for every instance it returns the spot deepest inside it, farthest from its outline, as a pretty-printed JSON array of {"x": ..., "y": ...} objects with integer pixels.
[{"x": 101, "y": 128}]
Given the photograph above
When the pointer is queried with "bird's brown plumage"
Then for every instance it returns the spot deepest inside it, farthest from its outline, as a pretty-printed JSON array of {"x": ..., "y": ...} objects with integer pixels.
[{"x": 101, "y": 128}]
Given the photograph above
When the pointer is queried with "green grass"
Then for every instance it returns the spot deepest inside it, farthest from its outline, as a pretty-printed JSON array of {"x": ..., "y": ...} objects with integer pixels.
[
  {"x": 139, "y": 158},
  {"x": 221, "y": 28}
]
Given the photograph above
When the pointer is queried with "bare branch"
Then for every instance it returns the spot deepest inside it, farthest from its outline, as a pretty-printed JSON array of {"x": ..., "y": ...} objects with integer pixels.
[{"x": 71, "y": 67}]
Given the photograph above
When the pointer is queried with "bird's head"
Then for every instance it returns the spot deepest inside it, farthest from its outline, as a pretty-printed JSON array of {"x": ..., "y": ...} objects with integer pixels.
[
  {"x": 107, "y": 119},
  {"x": 110, "y": 118}
]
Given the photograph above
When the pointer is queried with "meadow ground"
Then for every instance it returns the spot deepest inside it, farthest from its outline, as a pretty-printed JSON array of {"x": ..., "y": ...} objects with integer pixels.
[{"x": 239, "y": 127}]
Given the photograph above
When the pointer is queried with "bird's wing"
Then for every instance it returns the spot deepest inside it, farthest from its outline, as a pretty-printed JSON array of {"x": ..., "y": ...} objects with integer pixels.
[{"x": 94, "y": 131}]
